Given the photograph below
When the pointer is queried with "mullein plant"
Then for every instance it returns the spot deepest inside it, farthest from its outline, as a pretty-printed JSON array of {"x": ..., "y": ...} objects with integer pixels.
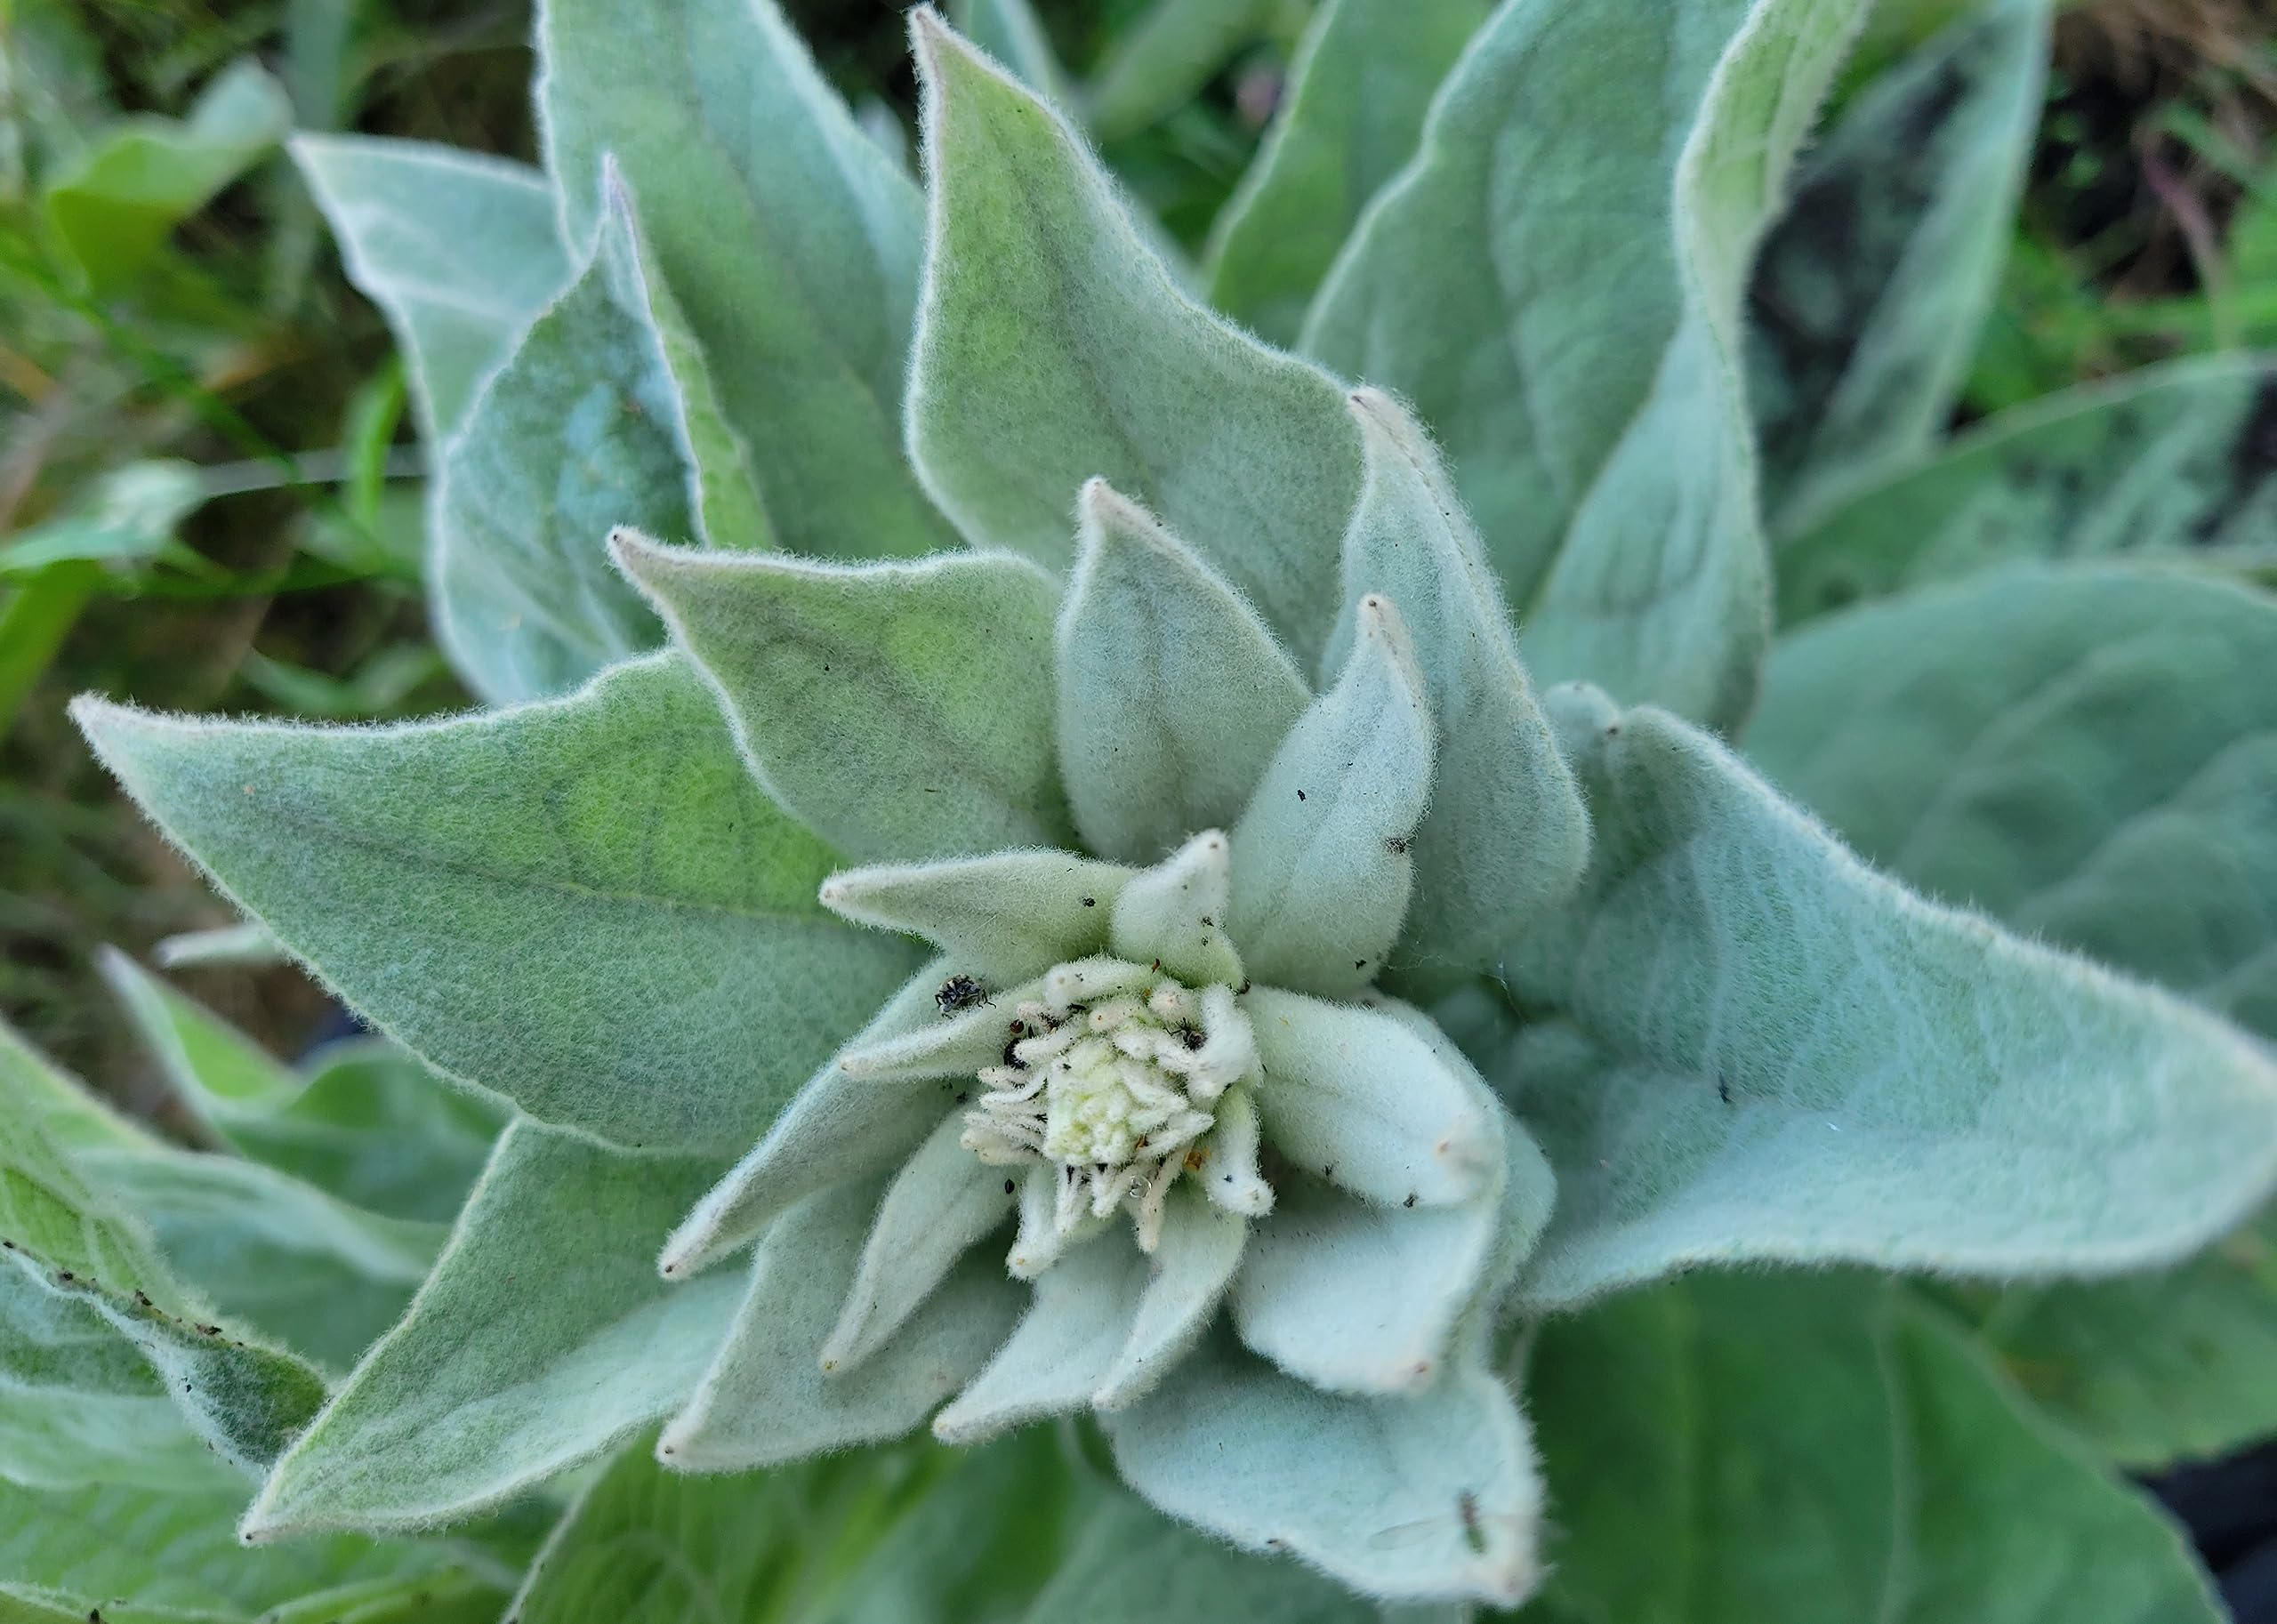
[{"x": 1031, "y": 855}]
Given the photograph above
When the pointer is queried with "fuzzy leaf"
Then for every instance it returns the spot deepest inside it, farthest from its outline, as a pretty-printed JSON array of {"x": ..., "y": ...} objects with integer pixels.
[
  {"x": 1132, "y": 1567},
  {"x": 1321, "y": 871},
  {"x": 837, "y": 1126},
  {"x": 75, "y": 1261},
  {"x": 1053, "y": 346},
  {"x": 370, "y": 1125},
  {"x": 767, "y": 1398},
  {"x": 1172, "y": 692},
  {"x": 942, "y": 1202},
  {"x": 2088, "y": 754},
  {"x": 458, "y": 250},
  {"x": 573, "y": 435},
  {"x": 900, "y": 711},
  {"x": 1010, "y": 31},
  {"x": 1066, "y": 1347},
  {"x": 1615, "y": 490},
  {"x": 1506, "y": 833},
  {"x": 583, "y": 903},
  {"x": 1369, "y": 1491},
  {"x": 2174, "y": 460},
  {"x": 1694, "y": 1428},
  {"x": 1175, "y": 912},
  {"x": 1359, "y": 1099},
  {"x": 141, "y": 1557},
  {"x": 1869, "y": 291},
  {"x": 1349, "y": 117},
  {"x": 1003, "y": 919},
  {"x": 542, "y": 1338},
  {"x": 318, "y": 1276},
  {"x": 1771, "y": 1052},
  {"x": 1194, "y": 1260},
  {"x": 789, "y": 242}
]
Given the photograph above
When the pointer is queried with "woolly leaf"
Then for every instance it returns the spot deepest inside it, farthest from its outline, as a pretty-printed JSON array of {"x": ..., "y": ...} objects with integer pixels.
[
  {"x": 1614, "y": 484},
  {"x": 1858, "y": 1435},
  {"x": 1172, "y": 693},
  {"x": 1132, "y": 1567},
  {"x": 583, "y": 904},
  {"x": 457, "y": 249},
  {"x": 1506, "y": 833},
  {"x": 318, "y": 1276},
  {"x": 530, "y": 1349},
  {"x": 1005, "y": 919},
  {"x": 573, "y": 435},
  {"x": 1349, "y": 117},
  {"x": 940, "y": 1205},
  {"x": 2174, "y": 460},
  {"x": 370, "y": 1124},
  {"x": 1176, "y": 913},
  {"x": 1372, "y": 1491},
  {"x": 1770, "y": 1051},
  {"x": 789, "y": 242},
  {"x": 895, "y": 708},
  {"x": 1321, "y": 871},
  {"x": 836, "y": 1127},
  {"x": 1053, "y": 346},
  {"x": 1010, "y": 31},
  {"x": 2089, "y": 755},
  {"x": 1868, "y": 291},
  {"x": 1200, "y": 1248},
  {"x": 766, "y": 1398},
  {"x": 1065, "y": 1348},
  {"x": 133, "y": 1556}
]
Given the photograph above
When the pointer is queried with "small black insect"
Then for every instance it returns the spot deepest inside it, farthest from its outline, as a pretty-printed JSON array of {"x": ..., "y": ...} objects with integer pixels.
[
  {"x": 1410, "y": 1201},
  {"x": 1013, "y": 1060},
  {"x": 1191, "y": 1037},
  {"x": 1300, "y": 794},
  {"x": 1007, "y": 1187},
  {"x": 1091, "y": 902},
  {"x": 959, "y": 993},
  {"x": 1395, "y": 844}
]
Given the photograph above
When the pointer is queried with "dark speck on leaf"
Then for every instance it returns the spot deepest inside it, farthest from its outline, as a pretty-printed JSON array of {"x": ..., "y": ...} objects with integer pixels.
[
  {"x": 65, "y": 1277},
  {"x": 1395, "y": 844},
  {"x": 1410, "y": 1201},
  {"x": 1359, "y": 964},
  {"x": 1091, "y": 902},
  {"x": 1300, "y": 794},
  {"x": 1724, "y": 1090},
  {"x": 1007, "y": 1187}
]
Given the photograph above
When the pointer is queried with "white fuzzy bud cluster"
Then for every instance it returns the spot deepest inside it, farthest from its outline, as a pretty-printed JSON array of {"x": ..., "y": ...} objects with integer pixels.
[{"x": 1114, "y": 1076}]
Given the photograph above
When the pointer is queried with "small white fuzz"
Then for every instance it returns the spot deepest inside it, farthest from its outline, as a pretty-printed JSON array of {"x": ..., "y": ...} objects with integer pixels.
[{"x": 1111, "y": 1077}]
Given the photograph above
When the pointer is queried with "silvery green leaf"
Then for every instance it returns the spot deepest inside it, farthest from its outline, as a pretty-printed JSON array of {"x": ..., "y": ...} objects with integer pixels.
[
  {"x": 1003, "y": 919},
  {"x": 572, "y": 435},
  {"x": 1200, "y": 1248},
  {"x": 542, "y": 1338},
  {"x": 140, "y": 1556},
  {"x": 1052, "y": 347},
  {"x": 1769, "y": 1051},
  {"x": 2086, "y": 753},
  {"x": 788, "y": 241},
  {"x": 1854, "y": 1433},
  {"x": 1175, "y": 912},
  {"x": 583, "y": 903},
  {"x": 2175, "y": 461},
  {"x": 1614, "y": 484},
  {"x": 1361, "y": 1099},
  {"x": 954, "y": 1044},
  {"x": 1247, "y": 1453},
  {"x": 1506, "y": 833},
  {"x": 370, "y": 1124},
  {"x": 1233, "y": 1180},
  {"x": 1130, "y": 1566},
  {"x": 767, "y": 1398},
  {"x": 1321, "y": 870},
  {"x": 1172, "y": 693},
  {"x": 1066, "y": 1347},
  {"x": 835, "y": 1128},
  {"x": 1869, "y": 289},
  {"x": 458, "y": 249},
  {"x": 1349, "y": 117},
  {"x": 723, "y": 493},
  {"x": 941, "y": 1205},
  {"x": 900, "y": 711},
  {"x": 76, "y": 1262},
  {"x": 1010, "y": 31},
  {"x": 1350, "y": 1297},
  {"x": 322, "y": 1278}
]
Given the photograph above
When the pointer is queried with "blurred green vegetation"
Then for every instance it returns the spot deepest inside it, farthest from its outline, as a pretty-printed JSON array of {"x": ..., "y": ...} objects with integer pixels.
[{"x": 209, "y": 496}]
